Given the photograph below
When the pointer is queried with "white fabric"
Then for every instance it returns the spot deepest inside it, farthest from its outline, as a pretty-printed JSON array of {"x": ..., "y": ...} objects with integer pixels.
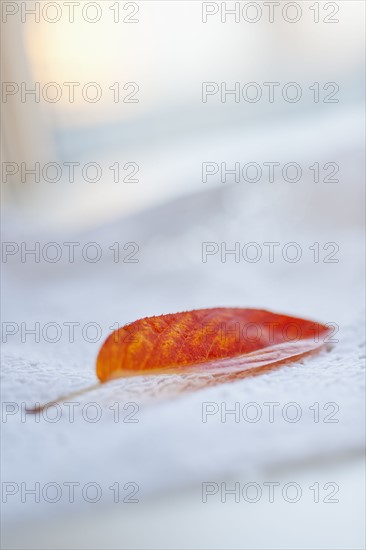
[{"x": 170, "y": 446}]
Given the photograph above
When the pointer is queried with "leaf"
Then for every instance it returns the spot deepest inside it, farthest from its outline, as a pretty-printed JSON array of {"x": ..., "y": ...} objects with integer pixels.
[{"x": 218, "y": 340}]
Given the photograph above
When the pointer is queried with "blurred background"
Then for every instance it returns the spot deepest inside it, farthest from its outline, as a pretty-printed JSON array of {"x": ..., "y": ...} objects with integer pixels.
[
  {"x": 146, "y": 140},
  {"x": 168, "y": 52}
]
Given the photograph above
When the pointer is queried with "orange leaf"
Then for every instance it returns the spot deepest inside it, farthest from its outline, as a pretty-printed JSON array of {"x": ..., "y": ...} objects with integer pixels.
[{"x": 218, "y": 340}]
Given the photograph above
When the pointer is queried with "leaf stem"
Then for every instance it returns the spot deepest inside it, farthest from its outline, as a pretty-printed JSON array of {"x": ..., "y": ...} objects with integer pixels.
[{"x": 39, "y": 408}]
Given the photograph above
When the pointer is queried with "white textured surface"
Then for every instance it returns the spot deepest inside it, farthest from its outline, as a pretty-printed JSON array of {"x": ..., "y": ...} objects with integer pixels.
[{"x": 170, "y": 446}]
